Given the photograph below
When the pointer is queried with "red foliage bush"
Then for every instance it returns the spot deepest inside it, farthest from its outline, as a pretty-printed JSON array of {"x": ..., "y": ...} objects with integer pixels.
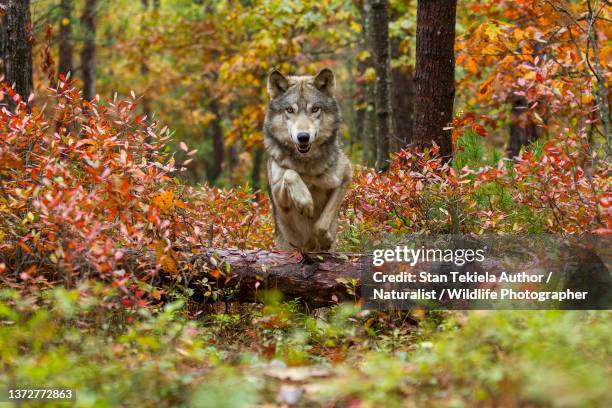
[
  {"x": 562, "y": 190},
  {"x": 564, "y": 183},
  {"x": 83, "y": 184}
]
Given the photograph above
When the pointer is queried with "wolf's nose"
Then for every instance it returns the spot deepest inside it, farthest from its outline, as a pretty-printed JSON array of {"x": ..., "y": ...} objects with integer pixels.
[{"x": 303, "y": 137}]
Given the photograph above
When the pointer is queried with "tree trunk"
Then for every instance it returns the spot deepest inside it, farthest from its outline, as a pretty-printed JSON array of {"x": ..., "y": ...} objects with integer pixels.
[
  {"x": 523, "y": 131},
  {"x": 232, "y": 162},
  {"x": 351, "y": 111},
  {"x": 3, "y": 34},
  {"x": 17, "y": 47},
  {"x": 369, "y": 145},
  {"x": 382, "y": 63},
  {"x": 144, "y": 63},
  {"x": 88, "y": 55},
  {"x": 257, "y": 163},
  {"x": 144, "y": 67},
  {"x": 65, "y": 38},
  {"x": 403, "y": 102},
  {"x": 360, "y": 111},
  {"x": 218, "y": 149},
  {"x": 601, "y": 91},
  {"x": 368, "y": 127},
  {"x": 435, "y": 74}
]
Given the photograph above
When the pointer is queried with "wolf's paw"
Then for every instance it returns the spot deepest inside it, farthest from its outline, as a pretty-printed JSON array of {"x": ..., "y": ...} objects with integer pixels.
[
  {"x": 299, "y": 194},
  {"x": 303, "y": 203},
  {"x": 324, "y": 237}
]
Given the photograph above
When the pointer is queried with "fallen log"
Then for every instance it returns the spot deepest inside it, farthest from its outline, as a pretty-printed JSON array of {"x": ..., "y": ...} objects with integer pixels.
[{"x": 318, "y": 279}]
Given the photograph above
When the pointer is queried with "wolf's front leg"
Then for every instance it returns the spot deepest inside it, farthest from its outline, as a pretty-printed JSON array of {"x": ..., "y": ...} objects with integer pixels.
[
  {"x": 291, "y": 190},
  {"x": 299, "y": 193}
]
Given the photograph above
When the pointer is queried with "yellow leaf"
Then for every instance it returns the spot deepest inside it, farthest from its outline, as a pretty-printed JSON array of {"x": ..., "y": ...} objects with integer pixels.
[
  {"x": 65, "y": 21},
  {"x": 605, "y": 57},
  {"x": 363, "y": 55},
  {"x": 519, "y": 34},
  {"x": 370, "y": 74},
  {"x": 166, "y": 259},
  {"x": 508, "y": 59},
  {"x": 180, "y": 204},
  {"x": 586, "y": 99},
  {"x": 485, "y": 89},
  {"x": 164, "y": 201},
  {"x": 28, "y": 218},
  {"x": 471, "y": 65},
  {"x": 530, "y": 75},
  {"x": 538, "y": 118},
  {"x": 207, "y": 118},
  {"x": 492, "y": 31},
  {"x": 168, "y": 263},
  {"x": 156, "y": 294}
]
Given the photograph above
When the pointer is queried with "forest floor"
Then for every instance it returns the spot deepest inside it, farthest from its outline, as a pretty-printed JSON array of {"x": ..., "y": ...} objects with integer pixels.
[{"x": 278, "y": 354}]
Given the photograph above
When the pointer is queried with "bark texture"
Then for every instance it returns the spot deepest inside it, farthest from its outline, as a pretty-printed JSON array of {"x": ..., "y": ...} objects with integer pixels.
[
  {"x": 258, "y": 157},
  {"x": 365, "y": 120},
  {"x": 218, "y": 149},
  {"x": 17, "y": 46},
  {"x": 403, "y": 102},
  {"x": 88, "y": 54},
  {"x": 379, "y": 10},
  {"x": 65, "y": 37},
  {"x": 359, "y": 105},
  {"x": 144, "y": 63},
  {"x": 144, "y": 66},
  {"x": 435, "y": 73}
]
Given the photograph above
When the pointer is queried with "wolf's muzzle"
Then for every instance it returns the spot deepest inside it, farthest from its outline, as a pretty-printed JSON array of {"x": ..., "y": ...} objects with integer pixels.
[
  {"x": 303, "y": 137},
  {"x": 303, "y": 145}
]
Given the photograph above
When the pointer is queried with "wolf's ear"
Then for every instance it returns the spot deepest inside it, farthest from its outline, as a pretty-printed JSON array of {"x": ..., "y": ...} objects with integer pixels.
[
  {"x": 277, "y": 84},
  {"x": 325, "y": 81}
]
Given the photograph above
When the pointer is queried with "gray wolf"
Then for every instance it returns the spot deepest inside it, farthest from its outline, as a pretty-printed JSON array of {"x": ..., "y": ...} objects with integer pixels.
[{"x": 308, "y": 173}]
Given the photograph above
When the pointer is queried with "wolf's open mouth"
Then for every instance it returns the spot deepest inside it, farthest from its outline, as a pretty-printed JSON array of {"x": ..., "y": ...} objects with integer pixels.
[{"x": 303, "y": 148}]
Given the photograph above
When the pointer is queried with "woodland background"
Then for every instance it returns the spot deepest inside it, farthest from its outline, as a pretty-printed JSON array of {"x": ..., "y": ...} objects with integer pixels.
[{"x": 462, "y": 117}]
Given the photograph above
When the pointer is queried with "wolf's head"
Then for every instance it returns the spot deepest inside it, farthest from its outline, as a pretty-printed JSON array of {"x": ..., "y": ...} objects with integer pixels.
[{"x": 302, "y": 111}]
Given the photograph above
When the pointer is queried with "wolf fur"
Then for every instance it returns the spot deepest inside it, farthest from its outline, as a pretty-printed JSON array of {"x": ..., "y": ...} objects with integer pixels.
[{"x": 308, "y": 173}]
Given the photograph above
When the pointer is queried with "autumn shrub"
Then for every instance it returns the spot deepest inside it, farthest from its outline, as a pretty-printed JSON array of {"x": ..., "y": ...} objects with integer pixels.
[
  {"x": 84, "y": 185},
  {"x": 556, "y": 187}
]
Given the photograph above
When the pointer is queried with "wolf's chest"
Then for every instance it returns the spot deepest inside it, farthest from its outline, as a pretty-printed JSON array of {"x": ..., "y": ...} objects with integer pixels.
[{"x": 323, "y": 182}]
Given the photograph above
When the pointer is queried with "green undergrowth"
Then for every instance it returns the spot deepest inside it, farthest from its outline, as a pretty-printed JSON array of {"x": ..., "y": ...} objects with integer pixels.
[{"x": 280, "y": 353}]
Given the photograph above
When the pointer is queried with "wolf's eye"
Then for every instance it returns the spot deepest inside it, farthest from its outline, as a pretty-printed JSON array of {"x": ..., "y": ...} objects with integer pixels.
[
  {"x": 315, "y": 109},
  {"x": 289, "y": 110}
]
